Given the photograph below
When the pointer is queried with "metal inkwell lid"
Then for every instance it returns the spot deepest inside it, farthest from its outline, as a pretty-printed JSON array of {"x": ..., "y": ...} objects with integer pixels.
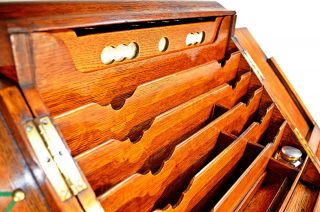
[{"x": 290, "y": 154}]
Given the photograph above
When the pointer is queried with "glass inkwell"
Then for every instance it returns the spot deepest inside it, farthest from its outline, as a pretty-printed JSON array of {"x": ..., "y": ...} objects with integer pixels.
[{"x": 290, "y": 155}]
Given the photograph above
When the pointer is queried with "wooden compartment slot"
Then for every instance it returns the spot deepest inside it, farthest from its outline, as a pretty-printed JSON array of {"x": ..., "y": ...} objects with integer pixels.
[
  {"x": 210, "y": 176},
  {"x": 130, "y": 195},
  {"x": 239, "y": 189},
  {"x": 70, "y": 92},
  {"x": 251, "y": 193},
  {"x": 317, "y": 204},
  {"x": 157, "y": 106},
  {"x": 117, "y": 197},
  {"x": 93, "y": 124},
  {"x": 113, "y": 161},
  {"x": 303, "y": 194},
  {"x": 245, "y": 112},
  {"x": 208, "y": 181},
  {"x": 271, "y": 192}
]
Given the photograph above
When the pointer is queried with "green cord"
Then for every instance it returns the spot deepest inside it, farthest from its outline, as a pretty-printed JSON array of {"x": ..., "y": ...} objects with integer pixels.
[
  {"x": 11, "y": 203},
  {"x": 10, "y": 206},
  {"x": 5, "y": 194}
]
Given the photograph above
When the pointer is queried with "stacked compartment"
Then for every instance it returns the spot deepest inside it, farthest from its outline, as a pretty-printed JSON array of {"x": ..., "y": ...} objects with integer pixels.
[
  {"x": 190, "y": 130},
  {"x": 201, "y": 139}
]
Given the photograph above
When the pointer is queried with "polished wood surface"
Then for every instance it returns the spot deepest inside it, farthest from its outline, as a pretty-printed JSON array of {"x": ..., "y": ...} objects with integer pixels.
[
  {"x": 13, "y": 167},
  {"x": 191, "y": 128},
  {"x": 115, "y": 84},
  {"x": 85, "y": 50},
  {"x": 303, "y": 199},
  {"x": 16, "y": 113},
  {"x": 251, "y": 193},
  {"x": 130, "y": 200},
  {"x": 45, "y": 16},
  {"x": 82, "y": 127},
  {"x": 102, "y": 164},
  {"x": 273, "y": 85},
  {"x": 211, "y": 175},
  {"x": 238, "y": 191}
]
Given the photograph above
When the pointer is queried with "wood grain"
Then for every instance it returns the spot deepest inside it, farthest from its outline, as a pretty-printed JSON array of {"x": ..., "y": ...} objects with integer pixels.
[
  {"x": 256, "y": 130},
  {"x": 185, "y": 156},
  {"x": 210, "y": 175},
  {"x": 85, "y": 50},
  {"x": 14, "y": 170},
  {"x": 234, "y": 123},
  {"x": 302, "y": 199},
  {"x": 22, "y": 54},
  {"x": 283, "y": 168},
  {"x": 75, "y": 89},
  {"x": 317, "y": 205},
  {"x": 93, "y": 124},
  {"x": 119, "y": 199},
  {"x": 293, "y": 186},
  {"x": 7, "y": 67},
  {"x": 197, "y": 195},
  {"x": 275, "y": 89},
  {"x": 113, "y": 161},
  {"x": 45, "y": 16},
  {"x": 238, "y": 191},
  {"x": 269, "y": 192},
  {"x": 16, "y": 113},
  {"x": 251, "y": 193}
]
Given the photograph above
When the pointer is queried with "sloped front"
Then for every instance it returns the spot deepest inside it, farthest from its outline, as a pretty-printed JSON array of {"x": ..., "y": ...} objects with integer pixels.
[{"x": 282, "y": 96}]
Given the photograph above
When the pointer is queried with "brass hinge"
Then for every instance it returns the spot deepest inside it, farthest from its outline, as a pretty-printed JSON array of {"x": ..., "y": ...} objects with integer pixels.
[
  {"x": 307, "y": 148},
  {"x": 55, "y": 159},
  {"x": 253, "y": 65}
]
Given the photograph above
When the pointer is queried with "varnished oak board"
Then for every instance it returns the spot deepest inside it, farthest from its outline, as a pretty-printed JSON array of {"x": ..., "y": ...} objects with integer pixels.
[
  {"x": 277, "y": 91},
  {"x": 186, "y": 129},
  {"x": 273, "y": 85},
  {"x": 13, "y": 167},
  {"x": 52, "y": 60},
  {"x": 60, "y": 15},
  {"x": 92, "y": 124}
]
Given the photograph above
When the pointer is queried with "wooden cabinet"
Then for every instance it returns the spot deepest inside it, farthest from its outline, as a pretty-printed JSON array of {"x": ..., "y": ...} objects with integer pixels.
[{"x": 148, "y": 106}]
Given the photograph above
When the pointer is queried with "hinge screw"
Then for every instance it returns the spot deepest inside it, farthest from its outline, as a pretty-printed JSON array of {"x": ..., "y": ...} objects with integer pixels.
[
  {"x": 80, "y": 185},
  {"x": 44, "y": 121},
  {"x": 29, "y": 128},
  {"x": 64, "y": 194}
]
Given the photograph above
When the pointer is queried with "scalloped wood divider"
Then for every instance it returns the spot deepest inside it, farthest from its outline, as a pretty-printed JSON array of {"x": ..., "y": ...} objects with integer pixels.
[
  {"x": 64, "y": 94},
  {"x": 93, "y": 124},
  {"x": 129, "y": 193},
  {"x": 213, "y": 173},
  {"x": 114, "y": 160},
  {"x": 239, "y": 189}
]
